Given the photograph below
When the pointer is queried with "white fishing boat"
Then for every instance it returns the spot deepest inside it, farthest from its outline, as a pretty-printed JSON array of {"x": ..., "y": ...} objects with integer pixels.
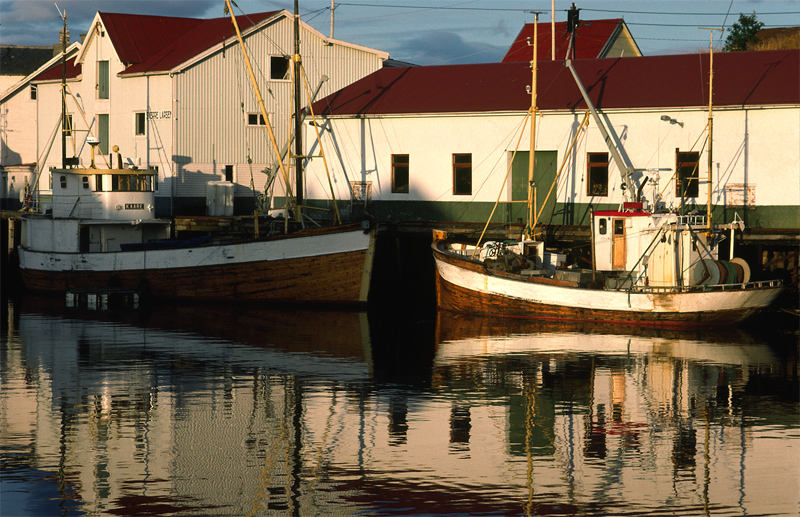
[
  {"x": 648, "y": 268},
  {"x": 100, "y": 231}
]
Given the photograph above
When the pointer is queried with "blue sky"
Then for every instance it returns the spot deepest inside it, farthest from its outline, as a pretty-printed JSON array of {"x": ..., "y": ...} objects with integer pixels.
[{"x": 424, "y": 31}]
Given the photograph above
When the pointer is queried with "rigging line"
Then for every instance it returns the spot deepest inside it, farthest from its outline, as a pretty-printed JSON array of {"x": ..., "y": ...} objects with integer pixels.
[
  {"x": 248, "y": 148},
  {"x": 262, "y": 33},
  {"x": 337, "y": 218},
  {"x": 530, "y": 114},
  {"x": 673, "y": 13},
  {"x": 726, "y": 14},
  {"x": 437, "y": 8}
]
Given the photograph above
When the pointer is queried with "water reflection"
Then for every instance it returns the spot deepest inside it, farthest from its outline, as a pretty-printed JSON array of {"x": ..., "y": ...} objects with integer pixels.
[{"x": 199, "y": 410}]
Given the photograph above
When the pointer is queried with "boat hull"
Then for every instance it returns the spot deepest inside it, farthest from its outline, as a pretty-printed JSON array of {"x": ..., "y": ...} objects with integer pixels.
[
  {"x": 322, "y": 266},
  {"x": 464, "y": 285}
]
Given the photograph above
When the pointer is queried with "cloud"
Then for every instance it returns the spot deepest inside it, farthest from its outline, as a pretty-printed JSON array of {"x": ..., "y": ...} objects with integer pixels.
[
  {"x": 37, "y": 22},
  {"x": 446, "y": 47}
]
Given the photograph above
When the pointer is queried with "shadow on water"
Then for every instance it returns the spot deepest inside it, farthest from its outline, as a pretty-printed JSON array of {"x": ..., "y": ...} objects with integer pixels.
[{"x": 199, "y": 409}]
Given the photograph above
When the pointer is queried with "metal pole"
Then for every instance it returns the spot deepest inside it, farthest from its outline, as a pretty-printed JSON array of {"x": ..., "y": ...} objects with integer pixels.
[
  {"x": 298, "y": 123},
  {"x": 64, "y": 118},
  {"x": 532, "y": 157}
]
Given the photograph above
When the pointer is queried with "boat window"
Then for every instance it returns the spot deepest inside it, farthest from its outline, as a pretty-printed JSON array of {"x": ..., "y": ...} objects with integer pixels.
[
  {"x": 619, "y": 227},
  {"x": 63, "y": 181},
  {"x": 98, "y": 183},
  {"x": 85, "y": 182},
  {"x": 400, "y": 173},
  {"x": 688, "y": 176},
  {"x": 603, "y": 226},
  {"x": 120, "y": 183},
  {"x": 462, "y": 174},
  {"x": 597, "y": 173}
]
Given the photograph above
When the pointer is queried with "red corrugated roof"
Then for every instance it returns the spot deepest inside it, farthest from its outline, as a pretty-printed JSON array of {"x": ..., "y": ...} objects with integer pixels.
[
  {"x": 54, "y": 73},
  {"x": 136, "y": 38},
  {"x": 162, "y": 46},
  {"x": 590, "y": 38},
  {"x": 740, "y": 78}
]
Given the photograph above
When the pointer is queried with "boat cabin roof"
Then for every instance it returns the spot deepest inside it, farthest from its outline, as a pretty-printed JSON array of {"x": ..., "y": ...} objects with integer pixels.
[{"x": 103, "y": 172}]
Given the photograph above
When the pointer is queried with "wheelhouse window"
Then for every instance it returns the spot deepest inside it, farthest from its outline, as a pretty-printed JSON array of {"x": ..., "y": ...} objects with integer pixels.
[
  {"x": 462, "y": 174},
  {"x": 102, "y": 80},
  {"x": 131, "y": 183},
  {"x": 597, "y": 174},
  {"x": 400, "y": 173},
  {"x": 255, "y": 119},
  {"x": 140, "y": 123},
  {"x": 33, "y": 92},
  {"x": 687, "y": 178},
  {"x": 279, "y": 68}
]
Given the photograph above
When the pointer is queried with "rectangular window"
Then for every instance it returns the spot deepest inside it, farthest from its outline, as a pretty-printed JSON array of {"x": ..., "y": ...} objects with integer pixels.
[
  {"x": 462, "y": 174},
  {"x": 400, "y": 173},
  {"x": 687, "y": 178},
  {"x": 229, "y": 173},
  {"x": 140, "y": 123},
  {"x": 102, "y": 79},
  {"x": 255, "y": 119},
  {"x": 279, "y": 68},
  {"x": 102, "y": 132},
  {"x": 597, "y": 173},
  {"x": 33, "y": 92}
]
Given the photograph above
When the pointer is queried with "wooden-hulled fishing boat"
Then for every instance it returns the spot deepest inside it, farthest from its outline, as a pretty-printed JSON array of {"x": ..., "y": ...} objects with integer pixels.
[
  {"x": 96, "y": 237},
  {"x": 648, "y": 268},
  {"x": 100, "y": 231}
]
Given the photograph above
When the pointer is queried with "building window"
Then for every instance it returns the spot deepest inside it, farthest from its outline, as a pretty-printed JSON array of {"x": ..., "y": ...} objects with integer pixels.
[
  {"x": 597, "y": 173},
  {"x": 139, "y": 122},
  {"x": 102, "y": 80},
  {"x": 462, "y": 174},
  {"x": 229, "y": 173},
  {"x": 33, "y": 92},
  {"x": 687, "y": 178},
  {"x": 279, "y": 68},
  {"x": 400, "y": 173},
  {"x": 255, "y": 119}
]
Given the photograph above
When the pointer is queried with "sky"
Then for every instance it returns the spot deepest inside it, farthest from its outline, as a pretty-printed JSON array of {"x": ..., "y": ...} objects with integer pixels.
[{"x": 425, "y": 32}]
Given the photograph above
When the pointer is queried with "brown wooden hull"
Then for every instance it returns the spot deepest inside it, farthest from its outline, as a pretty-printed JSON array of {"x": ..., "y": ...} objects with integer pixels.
[
  {"x": 341, "y": 277},
  {"x": 457, "y": 298}
]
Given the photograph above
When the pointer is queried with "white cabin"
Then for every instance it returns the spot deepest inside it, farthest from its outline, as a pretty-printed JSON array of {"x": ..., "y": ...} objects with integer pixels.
[{"x": 96, "y": 210}]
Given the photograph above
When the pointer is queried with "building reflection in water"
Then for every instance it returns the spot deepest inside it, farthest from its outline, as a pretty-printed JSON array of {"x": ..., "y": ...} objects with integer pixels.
[{"x": 236, "y": 411}]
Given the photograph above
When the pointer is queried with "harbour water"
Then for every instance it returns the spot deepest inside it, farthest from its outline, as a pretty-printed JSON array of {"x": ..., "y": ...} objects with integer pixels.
[{"x": 207, "y": 410}]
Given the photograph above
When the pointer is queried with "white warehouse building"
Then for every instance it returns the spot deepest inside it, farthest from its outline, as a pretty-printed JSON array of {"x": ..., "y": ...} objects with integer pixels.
[
  {"x": 174, "y": 94},
  {"x": 435, "y": 143}
]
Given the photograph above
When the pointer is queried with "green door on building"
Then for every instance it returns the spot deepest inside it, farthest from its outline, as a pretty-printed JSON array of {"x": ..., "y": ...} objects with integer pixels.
[{"x": 544, "y": 173}]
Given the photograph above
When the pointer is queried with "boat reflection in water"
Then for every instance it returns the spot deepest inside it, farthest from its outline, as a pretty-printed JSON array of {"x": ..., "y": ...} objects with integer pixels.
[{"x": 199, "y": 410}]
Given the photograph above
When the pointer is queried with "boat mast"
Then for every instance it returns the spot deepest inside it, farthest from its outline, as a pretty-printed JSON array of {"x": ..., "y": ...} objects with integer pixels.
[
  {"x": 298, "y": 122},
  {"x": 64, "y": 120},
  {"x": 277, "y": 151},
  {"x": 710, "y": 124},
  {"x": 532, "y": 216}
]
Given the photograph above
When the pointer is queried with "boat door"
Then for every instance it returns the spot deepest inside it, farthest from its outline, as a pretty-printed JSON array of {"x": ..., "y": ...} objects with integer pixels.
[{"x": 618, "y": 251}]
